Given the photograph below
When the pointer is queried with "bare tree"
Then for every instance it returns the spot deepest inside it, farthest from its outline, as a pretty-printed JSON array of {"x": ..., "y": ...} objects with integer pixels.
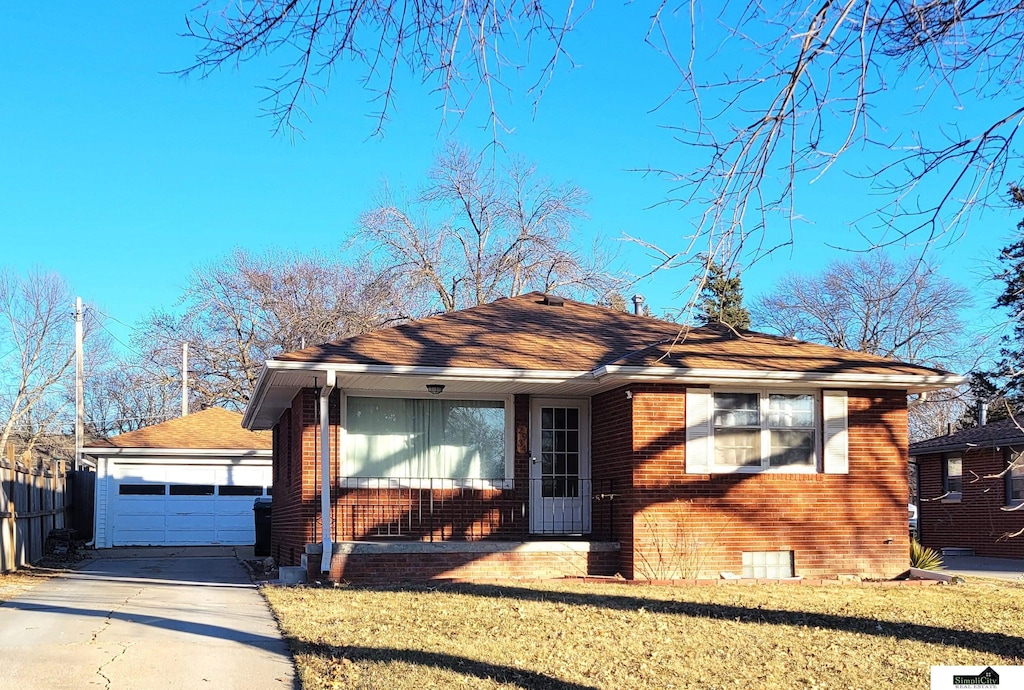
[
  {"x": 871, "y": 304},
  {"x": 462, "y": 48},
  {"x": 475, "y": 234},
  {"x": 819, "y": 80},
  {"x": 37, "y": 354},
  {"x": 237, "y": 313},
  {"x": 936, "y": 413},
  {"x": 128, "y": 395},
  {"x": 773, "y": 96}
]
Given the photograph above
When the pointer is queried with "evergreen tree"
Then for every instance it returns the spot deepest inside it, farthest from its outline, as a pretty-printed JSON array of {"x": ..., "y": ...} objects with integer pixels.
[
  {"x": 1002, "y": 387},
  {"x": 721, "y": 298},
  {"x": 984, "y": 386}
]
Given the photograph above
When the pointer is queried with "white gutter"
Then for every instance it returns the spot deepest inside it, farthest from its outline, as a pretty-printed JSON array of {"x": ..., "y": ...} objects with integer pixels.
[
  {"x": 325, "y": 472},
  {"x": 911, "y": 382}
]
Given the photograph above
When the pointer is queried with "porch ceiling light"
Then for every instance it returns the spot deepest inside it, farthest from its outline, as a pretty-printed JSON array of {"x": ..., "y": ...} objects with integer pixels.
[{"x": 435, "y": 388}]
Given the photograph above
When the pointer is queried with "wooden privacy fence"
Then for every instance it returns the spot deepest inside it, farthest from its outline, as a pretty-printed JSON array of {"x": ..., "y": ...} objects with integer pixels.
[{"x": 31, "y": 504}]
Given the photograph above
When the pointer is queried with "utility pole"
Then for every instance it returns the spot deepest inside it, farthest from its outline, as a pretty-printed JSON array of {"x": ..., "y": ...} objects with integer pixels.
[
  {"x": 79, "y": 387},
  {"x": 184, "y": 379}
]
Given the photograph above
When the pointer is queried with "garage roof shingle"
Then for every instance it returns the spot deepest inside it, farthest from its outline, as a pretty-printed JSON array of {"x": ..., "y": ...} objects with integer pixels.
[{"x": 213, "y": 428}]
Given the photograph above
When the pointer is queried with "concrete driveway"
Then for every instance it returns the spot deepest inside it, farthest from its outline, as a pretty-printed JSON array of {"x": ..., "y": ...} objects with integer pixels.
[
  {"x": 981, "y": 566},
  {"x": 145, "y": 618}
]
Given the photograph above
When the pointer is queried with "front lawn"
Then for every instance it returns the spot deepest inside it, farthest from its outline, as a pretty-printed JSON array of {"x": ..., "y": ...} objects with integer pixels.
[{"x": 574, "y": 636}]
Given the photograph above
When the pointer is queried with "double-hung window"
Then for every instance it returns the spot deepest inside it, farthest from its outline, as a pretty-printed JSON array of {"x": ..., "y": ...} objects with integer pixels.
[
  {"x": 761, "y": 430},
  {"x": 1015, "y": 479},
  {"x": 953, "y": 477},
  {"x": 426, "y": 438}
]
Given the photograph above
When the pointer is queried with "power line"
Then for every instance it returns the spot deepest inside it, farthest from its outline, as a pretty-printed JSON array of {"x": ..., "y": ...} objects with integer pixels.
[
  {"x": 114, "y": 318},
  {"x": 123, "y": 343}
]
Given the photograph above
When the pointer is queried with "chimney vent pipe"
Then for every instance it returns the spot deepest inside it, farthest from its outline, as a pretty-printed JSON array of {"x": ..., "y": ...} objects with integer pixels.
[{"x": 638, "y": 304}]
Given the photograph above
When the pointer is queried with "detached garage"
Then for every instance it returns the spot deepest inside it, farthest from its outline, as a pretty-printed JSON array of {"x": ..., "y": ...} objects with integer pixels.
[{"x": 187, "y": 481}]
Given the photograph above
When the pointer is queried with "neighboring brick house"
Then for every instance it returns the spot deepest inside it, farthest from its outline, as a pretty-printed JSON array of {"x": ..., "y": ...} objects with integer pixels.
[
  {"x": 970, "y": 485},
  {"x": 541, "y": 437}
]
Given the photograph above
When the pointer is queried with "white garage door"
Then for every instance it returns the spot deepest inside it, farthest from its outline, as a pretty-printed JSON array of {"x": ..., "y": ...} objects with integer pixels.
[{"x": 184, "y": 505}]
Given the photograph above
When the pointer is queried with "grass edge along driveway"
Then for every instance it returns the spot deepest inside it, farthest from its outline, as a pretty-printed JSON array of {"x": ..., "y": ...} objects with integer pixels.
[{"x": 576, "y": 636}]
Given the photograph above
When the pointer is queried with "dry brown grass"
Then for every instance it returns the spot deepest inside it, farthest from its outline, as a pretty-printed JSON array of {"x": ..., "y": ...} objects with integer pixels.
[
  {"x": 14, "y": 583},
  {"x": 575, "y": 636}
]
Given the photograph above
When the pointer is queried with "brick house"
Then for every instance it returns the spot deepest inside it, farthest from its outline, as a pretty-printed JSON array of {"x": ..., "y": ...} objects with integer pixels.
[
  {"x": 542, "y": 437},
  {"x": 970, "y": 485}
]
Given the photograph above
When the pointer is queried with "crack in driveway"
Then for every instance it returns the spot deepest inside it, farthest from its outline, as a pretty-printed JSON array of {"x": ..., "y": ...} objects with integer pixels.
[
  {"x": 108, "y": 662},
  {"x": 107, "y": 621}
]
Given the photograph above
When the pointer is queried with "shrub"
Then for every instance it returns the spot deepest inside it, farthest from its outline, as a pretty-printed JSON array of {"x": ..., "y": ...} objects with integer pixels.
[{"x": 924, "y": 558}]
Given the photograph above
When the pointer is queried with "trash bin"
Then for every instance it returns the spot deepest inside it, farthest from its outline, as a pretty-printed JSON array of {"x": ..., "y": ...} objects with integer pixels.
[{"x": 261, "y": 512}]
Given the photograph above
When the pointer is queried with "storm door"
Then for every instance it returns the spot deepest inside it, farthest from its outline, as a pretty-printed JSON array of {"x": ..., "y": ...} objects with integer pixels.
[{"x": 560, "y": 487}]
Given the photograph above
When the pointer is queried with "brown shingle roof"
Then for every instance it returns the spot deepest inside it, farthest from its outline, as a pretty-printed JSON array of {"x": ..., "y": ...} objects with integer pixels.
[
  {"x": 1003, "y": 432},
  {"x": 525, "y": 333},
  {"x": 212, "y": 428}
]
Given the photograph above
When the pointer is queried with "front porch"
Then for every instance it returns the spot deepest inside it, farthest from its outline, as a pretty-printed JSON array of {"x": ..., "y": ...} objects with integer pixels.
[
  {"x": 438, "y": 510},
  {"x": 408, "y": 529}
]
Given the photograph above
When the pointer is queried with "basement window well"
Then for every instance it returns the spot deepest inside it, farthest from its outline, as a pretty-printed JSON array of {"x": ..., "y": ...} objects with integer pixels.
[{"x": 774, "y": 565}]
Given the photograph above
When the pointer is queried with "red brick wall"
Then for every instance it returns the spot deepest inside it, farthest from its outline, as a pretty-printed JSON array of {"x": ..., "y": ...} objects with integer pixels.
[
  {"x": 396, "y": 567},
  {"x": 699, "y": 524},
  {"x": 685, "y": 525},
  {"x": 977, "y": 521},
  {"x": 294, "y": 520},
  {"x": 429, "y": 514},
  {"x": 611, "y": 453}
]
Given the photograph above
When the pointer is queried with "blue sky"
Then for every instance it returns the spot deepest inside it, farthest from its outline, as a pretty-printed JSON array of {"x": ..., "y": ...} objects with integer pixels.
[{"x": 123, "y": 178}]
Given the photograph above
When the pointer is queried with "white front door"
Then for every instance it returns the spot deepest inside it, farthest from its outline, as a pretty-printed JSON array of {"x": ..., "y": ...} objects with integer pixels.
[{"x": 560, "y": 487}]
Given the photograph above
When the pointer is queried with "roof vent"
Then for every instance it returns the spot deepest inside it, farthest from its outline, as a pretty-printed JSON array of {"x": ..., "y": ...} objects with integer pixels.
[
  {"x": 638, "y": 304},
  {"x": 553, "y": 301}
]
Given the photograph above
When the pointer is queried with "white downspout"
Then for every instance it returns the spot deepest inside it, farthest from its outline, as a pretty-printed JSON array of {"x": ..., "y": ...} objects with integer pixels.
[{"x": 325, "y": 472}]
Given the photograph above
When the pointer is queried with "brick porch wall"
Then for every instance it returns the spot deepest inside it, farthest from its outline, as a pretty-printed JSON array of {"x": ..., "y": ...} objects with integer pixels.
[
  {"x": 418, "y": 561},
  {"x": 977, "y": 521},
  {"x": 687, "y": 525},
  {"x": 294, "y": 514}
]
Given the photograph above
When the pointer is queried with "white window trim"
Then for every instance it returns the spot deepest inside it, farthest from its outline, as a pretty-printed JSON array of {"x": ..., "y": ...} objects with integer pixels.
[
  {"x": 764, "y": 467},
  {"x": 952, "y": 496},
  {"x": 1015, "y": 456},
  {"x": 347, "y": 481}
]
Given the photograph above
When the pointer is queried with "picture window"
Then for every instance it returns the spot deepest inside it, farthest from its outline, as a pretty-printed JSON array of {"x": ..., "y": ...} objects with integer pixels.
[{"x": 755, "y": 431}]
